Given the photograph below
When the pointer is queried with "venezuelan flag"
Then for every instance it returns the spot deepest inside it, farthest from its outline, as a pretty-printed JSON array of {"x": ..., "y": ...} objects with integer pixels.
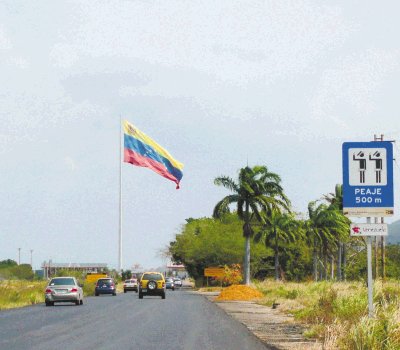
[{"x": 141, "y": 150}]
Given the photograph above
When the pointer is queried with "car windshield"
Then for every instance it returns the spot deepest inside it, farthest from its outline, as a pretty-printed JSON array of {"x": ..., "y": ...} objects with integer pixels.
[
  {"x": 169, "y": 279},
  {"x": 152, "y": 276},
  {"x": 62, "y": 282},
  {"x": 104, "y": 281}
]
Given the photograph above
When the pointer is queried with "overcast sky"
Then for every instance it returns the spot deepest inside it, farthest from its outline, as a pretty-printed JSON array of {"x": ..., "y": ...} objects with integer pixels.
[{"x": 217, "y": 83}]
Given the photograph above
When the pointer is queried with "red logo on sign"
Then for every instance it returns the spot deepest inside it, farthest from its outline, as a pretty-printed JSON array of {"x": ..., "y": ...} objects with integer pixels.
[{"x": 356, "y": 229}]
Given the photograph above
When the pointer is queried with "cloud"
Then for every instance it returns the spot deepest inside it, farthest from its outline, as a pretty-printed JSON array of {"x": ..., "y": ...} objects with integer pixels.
[
  {"x": 234, "y": 41},
  {"x": 70, "y": 163},
  {"x": 5, "y": 42},
  {"x": 348, "y": 93},
  {"x": 63, "y": 55}
]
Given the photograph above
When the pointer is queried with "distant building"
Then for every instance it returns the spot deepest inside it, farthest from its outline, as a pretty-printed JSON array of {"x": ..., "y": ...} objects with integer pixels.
[
  {"x": 176, "y": 270},
  {"x": 50, "y": 268}
]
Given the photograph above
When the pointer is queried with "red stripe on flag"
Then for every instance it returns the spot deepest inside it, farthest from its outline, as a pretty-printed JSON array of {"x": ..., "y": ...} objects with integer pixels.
[{"x": 139, "y": 160}]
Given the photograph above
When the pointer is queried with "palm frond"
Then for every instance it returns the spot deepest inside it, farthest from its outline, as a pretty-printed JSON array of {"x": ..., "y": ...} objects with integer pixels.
[{"x": 227, "y": 182}]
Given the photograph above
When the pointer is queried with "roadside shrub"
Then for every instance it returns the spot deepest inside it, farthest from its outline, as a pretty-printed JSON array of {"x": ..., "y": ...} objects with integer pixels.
[
  {"x": 292, "y": 294},
  {"x": 232, "y": 275}
]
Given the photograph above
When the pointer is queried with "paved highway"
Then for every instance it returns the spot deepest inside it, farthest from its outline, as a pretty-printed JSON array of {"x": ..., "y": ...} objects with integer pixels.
[{"x": 183, "y": 320}]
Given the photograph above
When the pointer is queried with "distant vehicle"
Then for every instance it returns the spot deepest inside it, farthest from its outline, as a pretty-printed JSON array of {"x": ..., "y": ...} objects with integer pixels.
[
  {"x": 105, "y": 286},
  {"x": 169, "y": 283},
  {"x": 152, "y": 283},
  {"x": 131, "y": 284},
  {"x": 63, "y": 290},
  {"x": 177, "y": 282}
]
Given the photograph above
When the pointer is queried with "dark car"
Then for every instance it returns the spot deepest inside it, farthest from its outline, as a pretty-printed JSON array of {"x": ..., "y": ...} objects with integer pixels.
[
  {"x": 105, "y": 286},
  {"x": 169, "y": 283}
]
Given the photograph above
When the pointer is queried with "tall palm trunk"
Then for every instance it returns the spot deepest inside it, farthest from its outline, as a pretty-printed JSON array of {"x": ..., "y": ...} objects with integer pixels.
[
  {"x": 247, "y": 261},
  {"x": 247, "y": 233},
  {"x": 325, "y": 271},
  {"x": 344, "y": 262},
  {"x": 315, "y": 260},
  {"x": 276, "y": 256},
  {"x": 339, "y": 261}
]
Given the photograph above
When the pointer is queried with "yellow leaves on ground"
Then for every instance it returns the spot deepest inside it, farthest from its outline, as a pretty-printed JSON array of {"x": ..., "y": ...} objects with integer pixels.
[{"x": 239, "y": 292}]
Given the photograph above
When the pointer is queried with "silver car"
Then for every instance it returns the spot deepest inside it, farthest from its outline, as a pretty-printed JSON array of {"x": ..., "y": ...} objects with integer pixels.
[
  {"x": 177, "y": 282},
  {"x": 63, "y": 289}
]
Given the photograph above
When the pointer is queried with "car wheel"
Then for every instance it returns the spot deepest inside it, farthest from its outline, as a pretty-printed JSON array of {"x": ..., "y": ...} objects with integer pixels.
[
  {"x": 114, "y": 294},
  {"x": 152, "y": 285},
  {"x": 124, "y": 291},
  {"x": 96, "y": 294},
  {"x": 163, "y": 295},
  {"x": 140, "y": 295},
  {"x": 48, "y": 303},
  {"x": 81, "y": 302},
  {"x": 173, "y": 289},
  {"x": 77, "y": 302},
  {"x": 136, "y": 290}
]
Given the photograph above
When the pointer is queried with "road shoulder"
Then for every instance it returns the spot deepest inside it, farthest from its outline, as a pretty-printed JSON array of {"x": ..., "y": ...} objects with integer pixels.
[{"x": 271, "y": 326}]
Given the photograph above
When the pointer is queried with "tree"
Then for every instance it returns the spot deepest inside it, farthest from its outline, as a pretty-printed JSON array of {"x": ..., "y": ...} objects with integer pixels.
[
  {"x": 126, "y": 274},
  {"x": 280, "y": 227},
  {"x": 207, "y": 242},
  {"x": 256, "y": 194},
  {"x": 335, "y": 200},
  {"x": 7, "y": 263},
  {"x": 325, "y": 227}
]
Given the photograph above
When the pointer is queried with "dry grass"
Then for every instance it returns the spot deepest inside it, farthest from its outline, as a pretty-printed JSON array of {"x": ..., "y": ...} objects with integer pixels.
[
  {"x": 337, "y": 313},
  {"x": 21, "y": 293}
]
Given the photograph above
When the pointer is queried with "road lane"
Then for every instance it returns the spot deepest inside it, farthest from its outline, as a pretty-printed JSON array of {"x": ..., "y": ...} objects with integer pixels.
[{"x": 183, "y": 320}]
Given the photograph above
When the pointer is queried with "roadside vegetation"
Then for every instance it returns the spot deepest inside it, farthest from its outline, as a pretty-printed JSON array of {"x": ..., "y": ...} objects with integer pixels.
[
  {"x": 20, "y": 287},
  {"x": 337, "y": 313},
  {"x": 14, "y": 293},
  {"x": 304, "y": 263}
]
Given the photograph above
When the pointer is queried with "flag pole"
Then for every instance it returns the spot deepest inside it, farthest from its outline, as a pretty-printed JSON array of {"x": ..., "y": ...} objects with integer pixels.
[{"x": 120, "y": 199}]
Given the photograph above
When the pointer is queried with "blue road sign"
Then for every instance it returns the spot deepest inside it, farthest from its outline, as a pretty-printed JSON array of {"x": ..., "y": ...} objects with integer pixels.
[{"x": 368, "y": 179}]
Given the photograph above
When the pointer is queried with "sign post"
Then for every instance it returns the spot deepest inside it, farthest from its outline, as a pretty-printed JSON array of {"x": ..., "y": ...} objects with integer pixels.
[{"x": 368, "y": 192}]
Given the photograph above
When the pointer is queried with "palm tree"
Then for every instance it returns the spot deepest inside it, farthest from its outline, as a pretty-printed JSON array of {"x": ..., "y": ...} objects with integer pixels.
[
  {"x": 279, "y": 227},
  {"x": 256, "y": 194},
  {"x": 335, "y": 200},
  {"x": 325, "y": 226}
]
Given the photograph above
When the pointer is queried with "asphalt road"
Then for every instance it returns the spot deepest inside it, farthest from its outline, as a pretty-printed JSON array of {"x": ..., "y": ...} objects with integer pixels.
[{"x": 183, "y": 320}]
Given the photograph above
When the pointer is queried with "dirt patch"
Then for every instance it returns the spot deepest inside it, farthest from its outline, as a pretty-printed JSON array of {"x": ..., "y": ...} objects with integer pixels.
[{"x": 271, "y": 326}]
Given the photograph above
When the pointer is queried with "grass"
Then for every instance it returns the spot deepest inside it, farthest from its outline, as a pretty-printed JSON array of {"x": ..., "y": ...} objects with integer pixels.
[
  {"x": 21, "y": 293},
  {"x": 337, "y": 313}
]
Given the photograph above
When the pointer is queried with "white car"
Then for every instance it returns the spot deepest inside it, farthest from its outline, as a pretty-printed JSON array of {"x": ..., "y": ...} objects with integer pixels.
[
  {"x": 131, "y": 284},
  {"x": 177, "y": 282}
]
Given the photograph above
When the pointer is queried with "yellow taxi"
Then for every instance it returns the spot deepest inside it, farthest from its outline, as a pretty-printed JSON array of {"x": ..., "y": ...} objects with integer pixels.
[{"x": 152, "y": 283}]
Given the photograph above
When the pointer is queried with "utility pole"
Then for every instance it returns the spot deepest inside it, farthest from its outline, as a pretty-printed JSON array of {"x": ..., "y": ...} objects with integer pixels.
[
  {"x": 31, "y": 258},
  {"x": 383, "y": 272},
  {"x": 19, "y": 256}
]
